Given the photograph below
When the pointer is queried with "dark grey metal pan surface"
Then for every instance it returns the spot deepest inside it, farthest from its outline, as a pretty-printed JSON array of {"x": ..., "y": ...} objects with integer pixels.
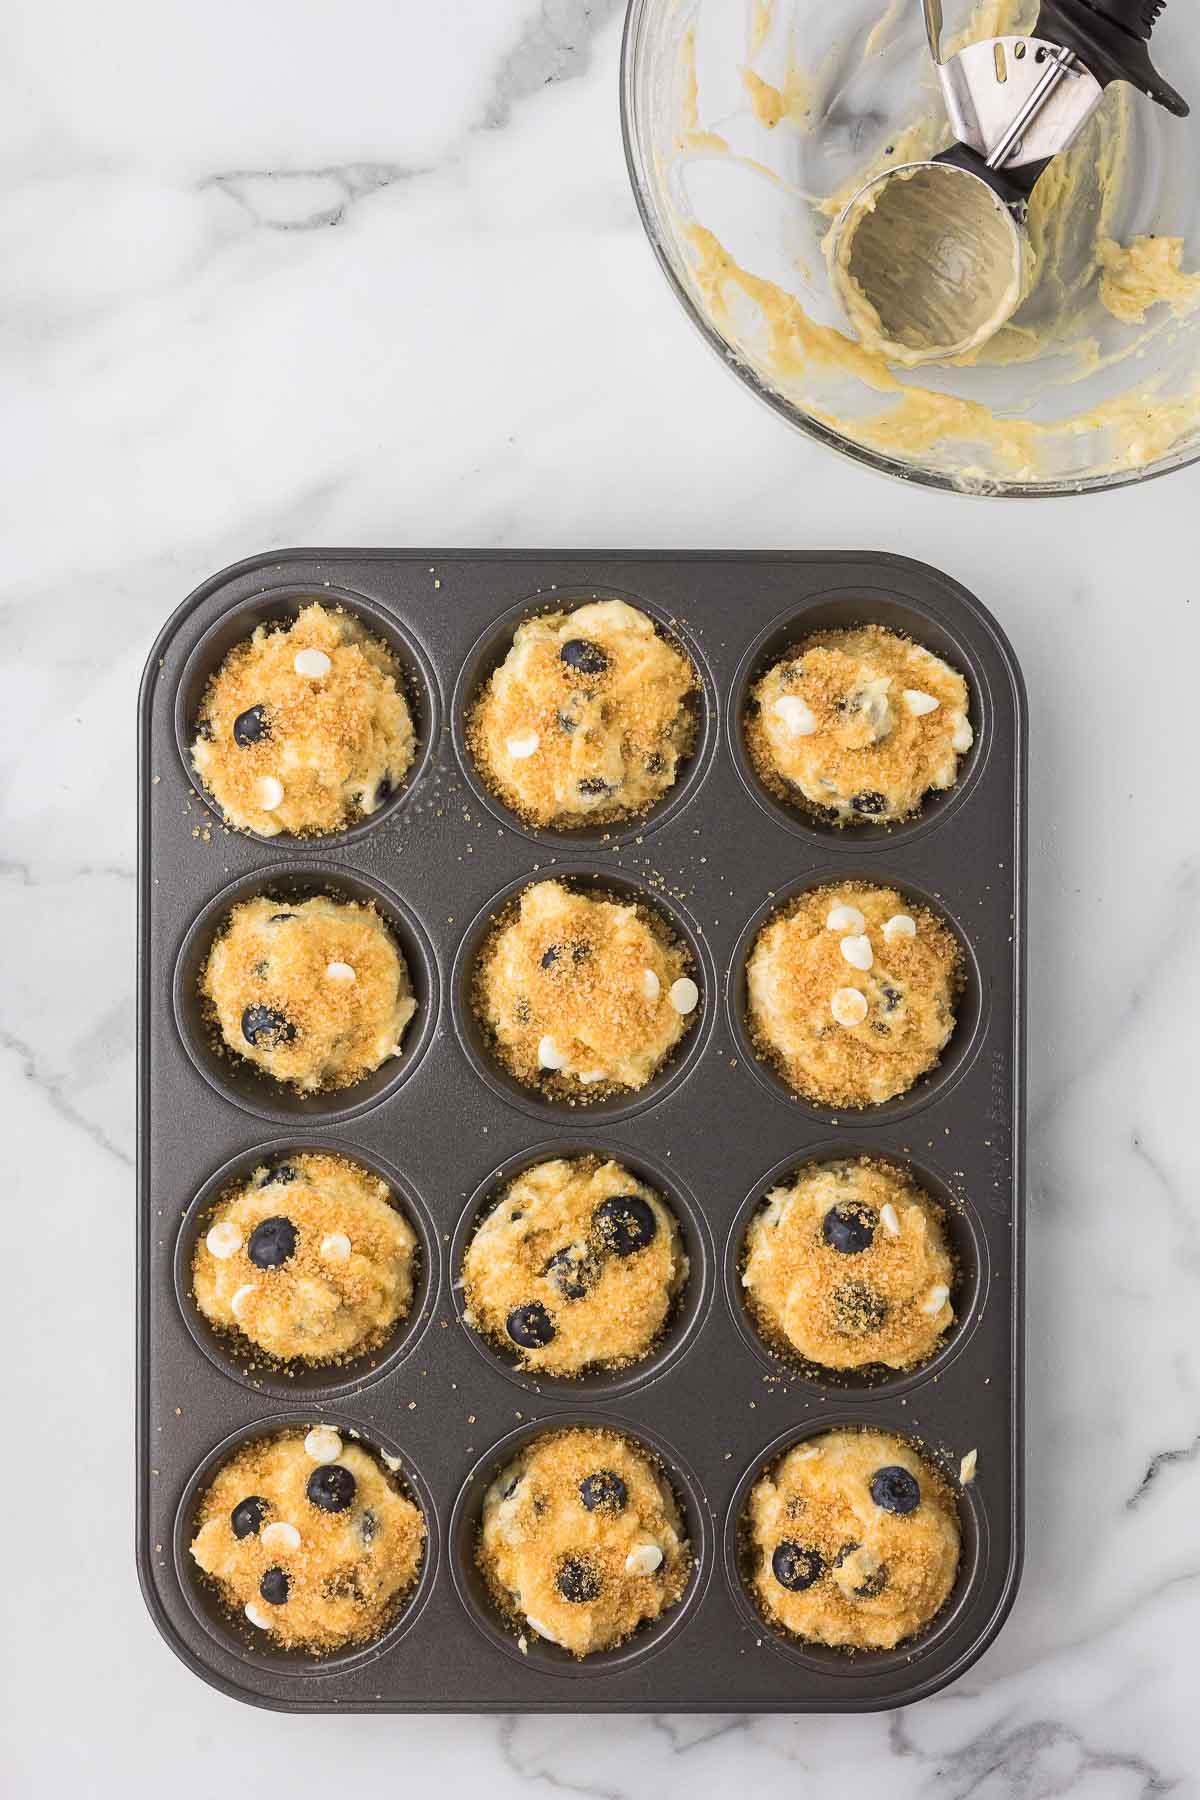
[{"x": 712, "y": 1131}]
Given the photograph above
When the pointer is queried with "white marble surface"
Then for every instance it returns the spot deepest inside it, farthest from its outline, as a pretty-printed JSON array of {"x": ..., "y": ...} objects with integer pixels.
[{"x": 294, "y": 272}]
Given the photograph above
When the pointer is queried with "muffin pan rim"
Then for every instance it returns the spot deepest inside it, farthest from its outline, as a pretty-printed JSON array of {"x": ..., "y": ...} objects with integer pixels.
[
  {"x": 585, "y": 840},
  {"x": 382, "y": 573},
  {"x": 346, "y": 1377}
]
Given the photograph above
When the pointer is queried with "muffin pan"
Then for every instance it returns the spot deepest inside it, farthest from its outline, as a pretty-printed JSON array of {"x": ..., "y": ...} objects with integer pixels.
[{"x": 712, "y": 1131}]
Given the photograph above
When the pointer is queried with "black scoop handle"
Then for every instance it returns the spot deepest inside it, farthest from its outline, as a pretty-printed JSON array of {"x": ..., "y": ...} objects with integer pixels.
[{"x": 1111, "y": 39}]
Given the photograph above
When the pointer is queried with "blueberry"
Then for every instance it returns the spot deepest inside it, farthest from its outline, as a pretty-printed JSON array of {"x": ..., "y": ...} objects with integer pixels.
[
  {"x": 895, "y": 1490},
  {"x": 204, "y": 731},
  {"x": 871, "y": 1584},
  {"x": 577, "y": 1581},
  {"x": 565, "y": 722},
  {"x": 247, "y": 1516},
  {"x": 280, "y": 1175},
  {"x": 625, "y": 1223},
  {"x": 584, "y": 657},
  {"x": 858, "y": 1309},
  {"x": 272, "y": 1243},
  {"x": 383, "y": 790},
  {"x": 573, "y": 1273},
  {"x": 530, "y": 1326},
  {"x": 592, "y": 784},
  {"x": 891, "y": 998},
  {"x": 368, "y": 1525},
  {"x": 274, "y": 1587},
  {"x": 251, "y": 727},
  {"x": 278, "y": 918},
  {"x": 551, "y": 955},
  {"x": 331, "y": 1487},
  {"x": 849, "y": 1228},
  {"x": 796, "y": 1568},
  {"x": 512, "y": 1487},
  {"x": 869, "y": 802},
  {"x": 603, "y": 1492},
  {"x": 262, "y": 1025}
]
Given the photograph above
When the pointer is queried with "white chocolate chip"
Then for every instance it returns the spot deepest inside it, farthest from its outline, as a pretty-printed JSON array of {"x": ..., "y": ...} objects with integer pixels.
[
  {"x": 542, "y": 1630},
  {"x": 524, "y": 745},
  {"x": 935, "y": 1299},
  {"x": 643, "y": 1559},
  {"x": 966, "y": 1468},
  {"x": 651, "y": 985},
  {"x": 858, "y": 952},
  {"x": 808, "y": 1453},
  {"x": 963, "y": 737},
  {"x": 845, "y": 918},
  {"x": 795, "y": 715},
  {"x": 257, "y": 1616},
  {"x": 340, "y": 971},
  {"x": 900, "y": 925},
  {"x": 270, "y": 793},
  {"x": 224, "y": 1240},
  {"x": 685, "y": 995},
  {"x": 323, "y": 1444},
  {"x": 918, "y": 703},
  {"x": 311, "y": 662},
  {"x": 590, "y": 1076},
  {"x": 550, "y": 1056},
  {"x": 238, "y": 1304},
  {"x": 335, "y": 1247},
  {"x": 848, "y": 1006},
  {"x": 888, "y": 1219},
  {"x": 279, "y": 1535}
]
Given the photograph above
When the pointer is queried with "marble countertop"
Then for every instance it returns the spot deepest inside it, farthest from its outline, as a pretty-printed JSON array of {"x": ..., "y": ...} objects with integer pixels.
[{"x": 296, "y": 273}]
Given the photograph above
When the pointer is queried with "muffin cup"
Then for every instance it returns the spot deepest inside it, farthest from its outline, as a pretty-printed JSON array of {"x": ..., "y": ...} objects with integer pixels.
[{"x": 539, "y": 1654}]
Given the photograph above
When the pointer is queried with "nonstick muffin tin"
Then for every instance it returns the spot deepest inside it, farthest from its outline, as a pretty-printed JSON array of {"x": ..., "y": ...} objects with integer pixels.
[{"x": 445, "y": 1126}]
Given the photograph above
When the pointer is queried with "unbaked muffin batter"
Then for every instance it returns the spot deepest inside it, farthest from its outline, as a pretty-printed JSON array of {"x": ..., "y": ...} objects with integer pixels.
[
  {"x": 852, "y": 990},
  {"x": 582, "y": 1539},
  {"x": 310, "y": 1538},
  {"x": 852, "y": 1540},
  {"x": 583, "y": 996},
  {"x": 304, "y": 726},
  {"x": 847, "y": 1265},
  {"x": 308, "y": 1260},
  {"x": 316, "y": 992},
  {"x": 576, "y": 1267},
  {"x": 587, "y": 717},
  {"x": 861, "y": 724}
]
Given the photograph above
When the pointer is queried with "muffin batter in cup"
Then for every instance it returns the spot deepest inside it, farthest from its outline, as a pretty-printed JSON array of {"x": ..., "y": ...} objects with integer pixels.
[
  {"x": 582, "y": 1540},
  {"x": 310, "y": 1539},
  {"x": 851, "y": 993},
  {"x": 576, "y": 1267},
  {"x": 847, "y": 1265},
  {"x": 587, "y": 718},
  {"x": 307, "y": 1261},
  {"x": 583, "y": 997},
  {"x": 852, "y": 1540},
  {"x": 314, "y": 992},
  {"x": 859, "y": 725},
  {"x": 304, "y": 727}
]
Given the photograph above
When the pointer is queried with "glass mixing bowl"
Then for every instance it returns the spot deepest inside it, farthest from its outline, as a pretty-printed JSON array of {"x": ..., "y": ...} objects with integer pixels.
[{"x": 749, "y": 123}]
